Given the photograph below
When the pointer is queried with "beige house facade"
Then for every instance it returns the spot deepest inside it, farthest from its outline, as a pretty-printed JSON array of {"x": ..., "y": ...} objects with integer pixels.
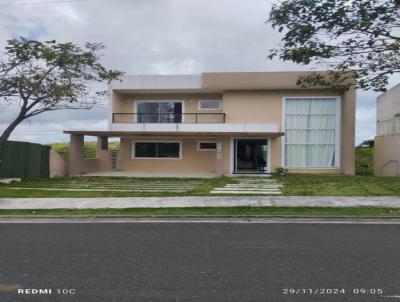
[
  {"x": 387, "y": 139},
  {"x": 222, "y": 124}
]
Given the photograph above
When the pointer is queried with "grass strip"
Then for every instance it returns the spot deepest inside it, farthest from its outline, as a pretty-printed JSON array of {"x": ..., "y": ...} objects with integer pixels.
[{"x": 339, "y": 185}]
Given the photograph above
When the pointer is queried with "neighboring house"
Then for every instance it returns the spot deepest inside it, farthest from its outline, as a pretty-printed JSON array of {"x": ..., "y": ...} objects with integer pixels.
[
  {"x": 222, "y": 124},
  {"x": 387, "y": 140}
]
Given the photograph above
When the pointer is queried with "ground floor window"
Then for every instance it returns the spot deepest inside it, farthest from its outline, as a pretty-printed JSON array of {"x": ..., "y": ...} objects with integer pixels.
[{"x": 156, "y": 150}]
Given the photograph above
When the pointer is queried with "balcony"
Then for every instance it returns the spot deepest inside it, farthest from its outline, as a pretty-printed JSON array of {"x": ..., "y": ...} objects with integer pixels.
[
  {"x": 186, "y": 123},
  {"x": 169, "y": 118}
]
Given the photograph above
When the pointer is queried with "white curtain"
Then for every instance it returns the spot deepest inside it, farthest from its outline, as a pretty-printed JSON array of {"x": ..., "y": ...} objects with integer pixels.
[
  {"x": 323, "y": 106},
  {"x": 310, "y": 132},
  {"x": 322, "y": 121},
  {"x": 296, "y": 155},
  {"x": 297, "y": 106},
  {"x": 322, "y": 155}
]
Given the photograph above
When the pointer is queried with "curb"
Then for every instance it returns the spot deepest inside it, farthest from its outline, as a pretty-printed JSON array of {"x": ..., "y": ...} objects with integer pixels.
[{"x": 198, "y": 216}]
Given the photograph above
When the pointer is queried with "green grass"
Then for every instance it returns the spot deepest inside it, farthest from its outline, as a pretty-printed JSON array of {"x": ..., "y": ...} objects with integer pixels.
[
  {"x": 89, "y": 149},
  {"x": 364, "y": 161},
  {"x": 339, "y": 185},
  {"x": 220, "y": 211},
  {"x": 363, "y": 184},
  {"x": 294, "y": 185},
  {"x": 201, "y": 186}
]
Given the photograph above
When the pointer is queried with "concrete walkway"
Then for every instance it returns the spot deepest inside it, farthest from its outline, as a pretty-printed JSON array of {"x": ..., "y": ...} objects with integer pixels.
[
  {"x": 151, "y": 174},
  {"x": 248, "y": 186},
  {"x": 198, "y": 201}
]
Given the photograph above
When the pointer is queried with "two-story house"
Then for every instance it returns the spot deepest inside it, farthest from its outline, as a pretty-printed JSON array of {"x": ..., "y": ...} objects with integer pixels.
[{"x": 222, "y": 124}]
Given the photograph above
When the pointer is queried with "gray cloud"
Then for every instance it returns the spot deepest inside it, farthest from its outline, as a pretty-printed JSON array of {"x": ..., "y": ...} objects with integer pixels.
[{"x": 156, "y": 36}]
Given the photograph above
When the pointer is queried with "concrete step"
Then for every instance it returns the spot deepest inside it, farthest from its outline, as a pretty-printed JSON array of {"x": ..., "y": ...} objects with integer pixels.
[
  {"x": 94, "y": 190},
  {"x": 122, "y": 185},
  {"x": 257, "y": 182},
  {"x": 233, "y": 188},
  {"x": 128, "y": 185},
  {"x": 244, "y": 189},
  {"x": 253, "y": 186},
  {"x": 116, "y": 187},
  {"x": 246, "y": 192},
  {"x": 255, "y": 179}
]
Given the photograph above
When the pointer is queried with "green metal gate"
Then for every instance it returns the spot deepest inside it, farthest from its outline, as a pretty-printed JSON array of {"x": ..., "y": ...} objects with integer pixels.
[{"x": 24, "y": 160}]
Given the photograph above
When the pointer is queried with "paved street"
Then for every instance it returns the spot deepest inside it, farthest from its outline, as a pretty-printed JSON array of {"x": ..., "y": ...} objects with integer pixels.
[{"x": 199, "y": 261}]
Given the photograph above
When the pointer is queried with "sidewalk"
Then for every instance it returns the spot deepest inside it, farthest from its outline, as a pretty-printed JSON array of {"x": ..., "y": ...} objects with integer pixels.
[{"x": 199, "y": 201}]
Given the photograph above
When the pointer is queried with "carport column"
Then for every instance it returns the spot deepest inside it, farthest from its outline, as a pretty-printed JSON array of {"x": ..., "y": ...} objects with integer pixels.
[
  {"x": 219, "y": 161},
  {"x": 75, "y": 154},
  {"x": 103, "y": 155}
]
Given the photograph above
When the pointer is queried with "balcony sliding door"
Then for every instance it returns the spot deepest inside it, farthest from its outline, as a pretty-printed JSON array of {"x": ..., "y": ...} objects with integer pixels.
[{"x": 159, "y": 112}]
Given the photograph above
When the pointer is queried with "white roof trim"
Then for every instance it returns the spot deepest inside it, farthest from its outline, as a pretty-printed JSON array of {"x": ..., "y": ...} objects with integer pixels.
[{"x": 155, "y": 82}]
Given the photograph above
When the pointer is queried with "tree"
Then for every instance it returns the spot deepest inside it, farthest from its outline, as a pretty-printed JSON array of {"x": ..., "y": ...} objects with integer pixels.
[
  {"x": 47, "y": 76},
  {"x": 367, "y": 144},
  {"x": 359, "y": 35}
]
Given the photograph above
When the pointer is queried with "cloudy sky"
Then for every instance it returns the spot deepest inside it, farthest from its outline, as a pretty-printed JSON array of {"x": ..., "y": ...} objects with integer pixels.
[{"x": 153, "y": 36}]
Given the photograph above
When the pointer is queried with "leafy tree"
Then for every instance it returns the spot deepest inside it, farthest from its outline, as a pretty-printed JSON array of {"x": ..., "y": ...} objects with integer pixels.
[
  {"x": 367, "y": 144},
  {"x": 359, "y": 35},
  {"x": 47, "y": 76}
]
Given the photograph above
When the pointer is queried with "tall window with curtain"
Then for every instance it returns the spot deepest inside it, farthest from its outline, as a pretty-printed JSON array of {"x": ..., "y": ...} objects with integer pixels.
[{"x": 310, "y": 132}]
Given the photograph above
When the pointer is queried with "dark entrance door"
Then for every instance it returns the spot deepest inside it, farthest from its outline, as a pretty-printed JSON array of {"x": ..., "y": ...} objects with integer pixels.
[{"x": 251, "y": 155}]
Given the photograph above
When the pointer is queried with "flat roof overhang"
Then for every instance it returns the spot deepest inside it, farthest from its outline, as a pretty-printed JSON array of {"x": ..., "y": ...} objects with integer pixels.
[
  {"x": 107, "y": 133},
  {"x": 213, "y": 82}
]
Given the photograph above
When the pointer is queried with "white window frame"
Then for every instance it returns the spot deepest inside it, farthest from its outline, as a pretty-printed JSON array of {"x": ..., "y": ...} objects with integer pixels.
[
  {"x": 136, "y": 102},
  {"x": 337, "y": 131},
  {"x": 133, "y": 155},
  {"x": 207, "y": 142},
  {"x": 210, "y": 109}
]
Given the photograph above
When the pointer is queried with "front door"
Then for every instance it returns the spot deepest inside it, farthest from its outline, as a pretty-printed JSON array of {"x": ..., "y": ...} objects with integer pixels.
[{"x": 250, "y": 155}]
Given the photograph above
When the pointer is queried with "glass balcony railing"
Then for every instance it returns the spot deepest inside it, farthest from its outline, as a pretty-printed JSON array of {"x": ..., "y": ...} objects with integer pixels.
[{"x": 187, "y": 118}]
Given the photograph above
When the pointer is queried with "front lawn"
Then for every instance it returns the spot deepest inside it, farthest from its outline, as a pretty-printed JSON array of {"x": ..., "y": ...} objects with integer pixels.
[
  {"x": 339, "y": 185},
  {"x": 294, "y": 185},
  {"x": 113, "y": 187}
]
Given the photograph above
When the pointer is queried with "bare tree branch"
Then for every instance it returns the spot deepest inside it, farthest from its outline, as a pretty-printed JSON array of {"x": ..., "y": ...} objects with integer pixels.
[{"x": 50, "y": 76}]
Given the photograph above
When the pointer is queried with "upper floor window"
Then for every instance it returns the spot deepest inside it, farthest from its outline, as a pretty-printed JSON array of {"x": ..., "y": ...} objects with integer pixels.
[
  {"x": 311, "y": 132},
  {"x": 391, "y": 126},
  {"x": 209, "y": 104},
  {"x": 158, "y": 111},
  {"x": 206, "y": 146}
]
